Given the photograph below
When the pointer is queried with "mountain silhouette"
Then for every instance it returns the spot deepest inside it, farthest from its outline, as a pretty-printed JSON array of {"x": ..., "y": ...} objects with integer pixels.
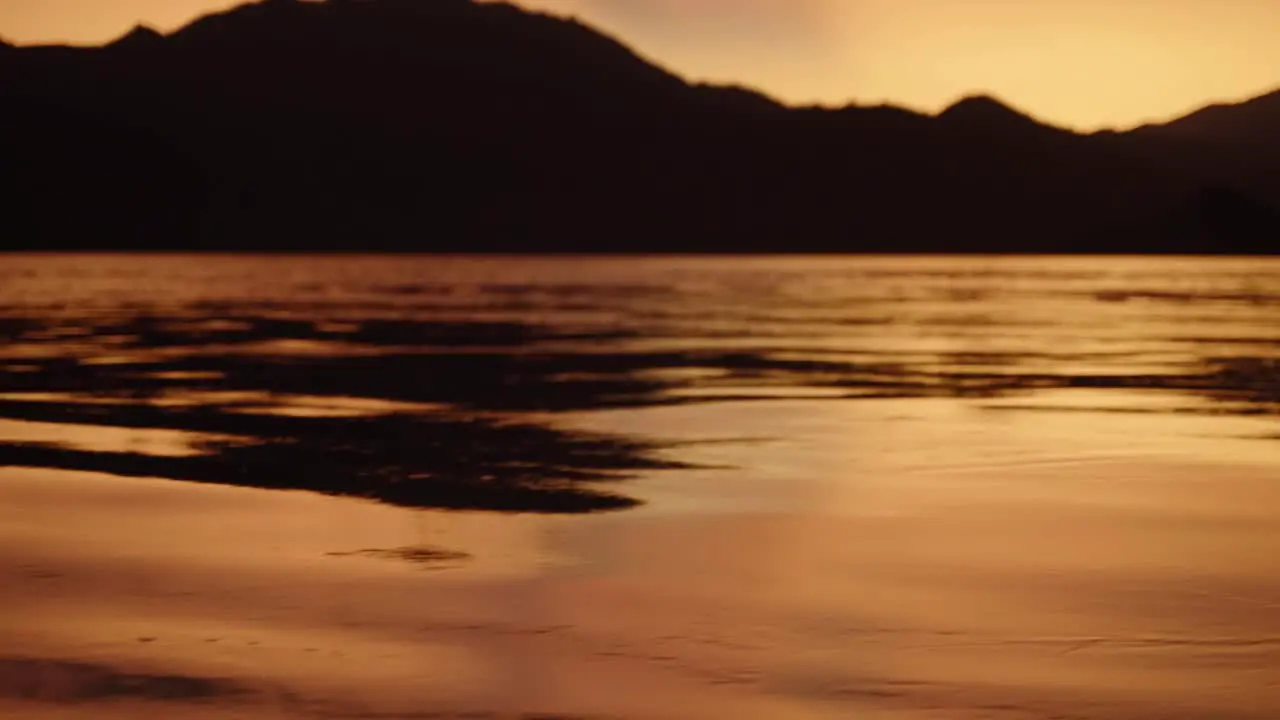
[
  {"x": 989, "y": 114},
  {"x": 1254, "y": 121},
  {"x": 452, "y": 125},
  {"x": 139, "y": 37},
  {"x": 1235, "y": 145}
]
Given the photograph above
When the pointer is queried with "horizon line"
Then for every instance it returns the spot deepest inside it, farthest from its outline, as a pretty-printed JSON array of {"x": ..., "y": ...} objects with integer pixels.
[{"x": 692, "y": 80}]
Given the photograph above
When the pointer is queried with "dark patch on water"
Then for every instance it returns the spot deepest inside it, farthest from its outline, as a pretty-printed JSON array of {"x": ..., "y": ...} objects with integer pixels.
[
  {"x": 428, "y": 557},
  {"x": 62, "y": 681},
  {"x": 1247, "y": 298},
  {"x": 478, "y": 447},
  {"x": 442, "y": 457},
  {"x": 416, "y": 461}
]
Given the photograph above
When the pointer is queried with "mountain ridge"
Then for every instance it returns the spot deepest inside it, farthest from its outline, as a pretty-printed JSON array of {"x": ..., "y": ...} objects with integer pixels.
[
  {"x": 454, "y": 125},
  {"x": 143, "y": 30},
  {"x": 1208, "y": 120},
  {"x": 139, "y": 35}
]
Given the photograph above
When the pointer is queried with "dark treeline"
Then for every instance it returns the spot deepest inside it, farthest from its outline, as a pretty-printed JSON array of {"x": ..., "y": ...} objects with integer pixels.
[{"x": 447, "y": 125}]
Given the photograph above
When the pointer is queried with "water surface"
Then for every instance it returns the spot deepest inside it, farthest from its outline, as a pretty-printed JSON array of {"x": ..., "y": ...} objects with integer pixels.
[{"x": 884, "y": 487}]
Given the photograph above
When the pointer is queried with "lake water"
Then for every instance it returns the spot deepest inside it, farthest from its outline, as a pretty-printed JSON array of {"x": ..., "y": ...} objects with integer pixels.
[
  {"x": 899, "y": 487},
  {"x": 1196, "y": 327}
]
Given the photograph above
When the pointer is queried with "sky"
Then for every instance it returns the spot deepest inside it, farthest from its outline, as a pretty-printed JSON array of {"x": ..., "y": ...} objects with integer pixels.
[{"x": 1079, "y": 63}]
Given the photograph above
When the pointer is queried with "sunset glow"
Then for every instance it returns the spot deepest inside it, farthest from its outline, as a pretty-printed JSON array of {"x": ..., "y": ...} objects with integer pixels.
[{"x": 1081, "y": 63}]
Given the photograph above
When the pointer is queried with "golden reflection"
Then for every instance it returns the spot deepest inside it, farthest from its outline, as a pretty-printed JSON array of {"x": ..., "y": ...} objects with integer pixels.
[
  {"x": 850, "y": 564},
  {"x": 1008, "y": 524},
  {"x": 107, "y": 439}
]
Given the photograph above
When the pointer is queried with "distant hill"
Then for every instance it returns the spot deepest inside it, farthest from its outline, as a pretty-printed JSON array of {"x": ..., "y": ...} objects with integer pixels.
[
  {"x": 988, "y": 114},
  {"x": 1237, "y": 145},
  {"x": 438, "y": 125},
  {"x": 1253, "y": 121}
]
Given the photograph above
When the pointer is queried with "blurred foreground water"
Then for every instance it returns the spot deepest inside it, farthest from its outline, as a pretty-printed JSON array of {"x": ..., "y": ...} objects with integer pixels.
[{"x": 934, "y": 487}]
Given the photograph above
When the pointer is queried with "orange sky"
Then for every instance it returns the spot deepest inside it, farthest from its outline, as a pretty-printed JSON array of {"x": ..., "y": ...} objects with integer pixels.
[{"x": 1083, "y": 63}]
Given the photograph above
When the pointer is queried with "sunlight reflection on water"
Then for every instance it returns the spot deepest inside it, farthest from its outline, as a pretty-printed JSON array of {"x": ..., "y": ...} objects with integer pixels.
[
  {"x": 915, "y": 487},
  {"x": 1023, "y": 316}
]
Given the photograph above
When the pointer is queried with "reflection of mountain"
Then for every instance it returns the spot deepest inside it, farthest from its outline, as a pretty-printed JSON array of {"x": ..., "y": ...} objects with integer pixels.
[{"x": 445, "y": 124}]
